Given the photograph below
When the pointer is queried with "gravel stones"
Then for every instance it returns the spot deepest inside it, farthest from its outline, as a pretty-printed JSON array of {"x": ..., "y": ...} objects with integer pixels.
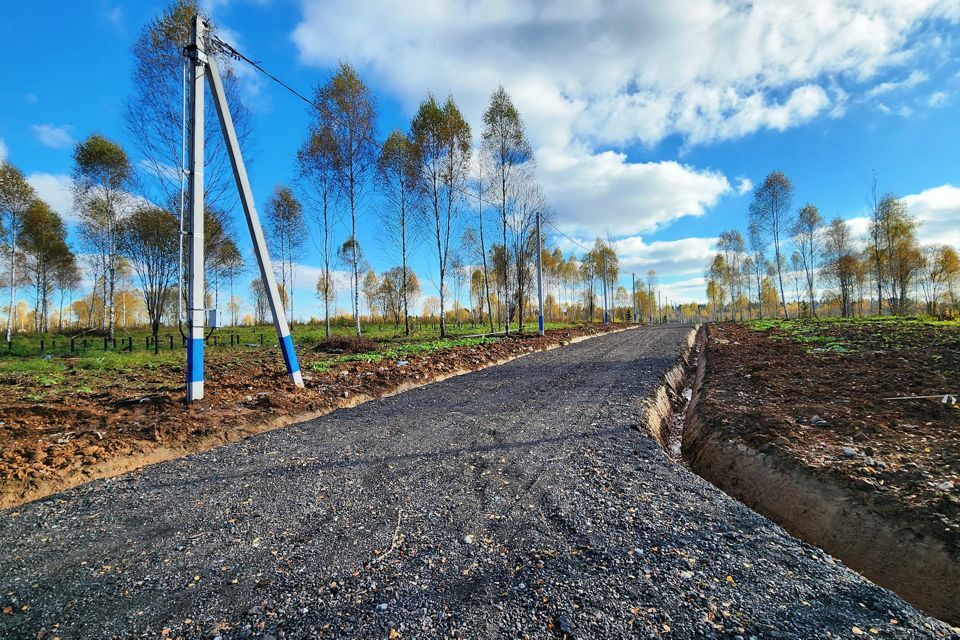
[{"x": 582, "y": 527}]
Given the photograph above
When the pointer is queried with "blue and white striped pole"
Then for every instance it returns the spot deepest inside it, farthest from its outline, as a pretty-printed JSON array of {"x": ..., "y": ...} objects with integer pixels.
[
  {"x": 196, "y": 302},
  {"x": 253, "y": 223}
]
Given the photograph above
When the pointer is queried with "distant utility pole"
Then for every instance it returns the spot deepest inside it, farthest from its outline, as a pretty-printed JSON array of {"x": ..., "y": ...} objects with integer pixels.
[
  {"x": 633, "y": 277},
  {"x": 539, "y": 279},
  {"x": 603, "y": 263},
  {"x": 206, "y": 65}
]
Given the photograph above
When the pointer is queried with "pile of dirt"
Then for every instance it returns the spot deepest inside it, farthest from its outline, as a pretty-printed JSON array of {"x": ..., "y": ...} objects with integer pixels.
[
  {"x": 800, "y": 427},
  {"x": 139, "y": 417}
]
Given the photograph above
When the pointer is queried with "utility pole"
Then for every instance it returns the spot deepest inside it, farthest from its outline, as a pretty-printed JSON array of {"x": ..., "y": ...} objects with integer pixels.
[
  {"x": 196, "y": 307},
  {"x": 539, "y": 279},
  {"x": 633, "y": 277},
  {"x": 204, "y": 65},
  {"x": 649, "y": 301},
  {"x": 603, "y": 262}
]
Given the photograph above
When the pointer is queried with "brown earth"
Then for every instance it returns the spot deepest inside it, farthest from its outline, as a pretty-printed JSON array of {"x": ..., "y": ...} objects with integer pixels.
[
  {"x": 797, "y": 425},
  {"x": 68, "y": 438}
]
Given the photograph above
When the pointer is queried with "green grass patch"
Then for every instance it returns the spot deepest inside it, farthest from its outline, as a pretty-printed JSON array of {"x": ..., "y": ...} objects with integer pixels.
[{"x": 409, "y": 349}]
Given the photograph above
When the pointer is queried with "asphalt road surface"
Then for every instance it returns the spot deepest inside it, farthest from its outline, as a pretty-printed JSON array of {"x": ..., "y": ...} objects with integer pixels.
[{"x": 523, "y": 500}]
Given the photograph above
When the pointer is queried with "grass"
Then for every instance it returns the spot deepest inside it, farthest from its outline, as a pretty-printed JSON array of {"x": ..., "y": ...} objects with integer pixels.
[
  {"x": 402, "y": 351},
  {"x": 90, "y": 368},
  {"x": 820, "y": 335}
]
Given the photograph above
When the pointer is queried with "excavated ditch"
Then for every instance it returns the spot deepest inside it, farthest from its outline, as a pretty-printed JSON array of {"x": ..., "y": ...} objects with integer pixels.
[{"x": 877, "y": 540}]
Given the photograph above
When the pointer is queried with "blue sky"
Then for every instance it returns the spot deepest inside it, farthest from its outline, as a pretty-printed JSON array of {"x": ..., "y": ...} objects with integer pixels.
[{"x": 649, "y": 122}]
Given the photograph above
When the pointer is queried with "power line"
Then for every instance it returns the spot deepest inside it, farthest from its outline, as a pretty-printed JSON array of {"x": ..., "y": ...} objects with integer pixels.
[
  {"x": 555, "y": 228},
  {"x": 231, "y": 51}
]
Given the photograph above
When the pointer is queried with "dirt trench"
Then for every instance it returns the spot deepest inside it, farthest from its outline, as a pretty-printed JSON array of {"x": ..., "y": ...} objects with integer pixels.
[{"x": 878, "y": 539}]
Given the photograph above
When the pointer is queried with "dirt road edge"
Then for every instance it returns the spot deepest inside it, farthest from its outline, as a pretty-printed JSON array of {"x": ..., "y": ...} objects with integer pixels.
[{"x": 16, "y": 493}]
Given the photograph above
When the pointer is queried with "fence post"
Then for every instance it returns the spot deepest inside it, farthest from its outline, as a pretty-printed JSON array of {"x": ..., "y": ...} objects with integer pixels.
[
  {"x": 41, "y": 346},
  {"x": 105, "y": 341},
  {"x": 114, "y": 343},
  {"x": 72, "y": 344},
  {"x": 171, "y": 341},
  {"x": 130, "y": 344}
]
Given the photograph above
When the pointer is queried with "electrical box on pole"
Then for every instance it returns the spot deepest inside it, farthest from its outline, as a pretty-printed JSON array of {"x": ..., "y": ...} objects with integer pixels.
[{"x": 203, "y": 66}]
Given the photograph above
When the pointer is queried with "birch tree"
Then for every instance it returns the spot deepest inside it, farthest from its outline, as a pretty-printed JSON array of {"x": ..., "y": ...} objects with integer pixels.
[
  {"x": 769, "y": 212},
  {"x": 318, "y": 166},
  {"x": 287, "y": 230},
  {"x": 399, "y": 178},
  {"x": 348, "y": 111},
  {"x": 16, "y": 195},
  {"x": 508, "y": 153},
  {"x": 45, "y": 245},
  {"x": 149, "y": 241},
  {"x": 442, "y": 139},
  {"x": 809, "y": 243},
  {"x": 153, "y": 114},
  {"x": 101, "y": 175}
]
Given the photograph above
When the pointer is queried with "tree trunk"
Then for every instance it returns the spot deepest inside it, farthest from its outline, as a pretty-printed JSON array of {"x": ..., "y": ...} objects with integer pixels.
[
  {"x": 13, "y": 280},
  {"x": 486, "y": 277}
]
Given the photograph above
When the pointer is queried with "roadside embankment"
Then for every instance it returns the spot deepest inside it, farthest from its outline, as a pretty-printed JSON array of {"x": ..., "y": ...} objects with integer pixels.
[{"x": 745, "y": 432}]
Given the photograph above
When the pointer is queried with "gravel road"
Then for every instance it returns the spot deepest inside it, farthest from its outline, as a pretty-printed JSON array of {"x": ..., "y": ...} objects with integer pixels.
[{"x": 518, "y": 501}]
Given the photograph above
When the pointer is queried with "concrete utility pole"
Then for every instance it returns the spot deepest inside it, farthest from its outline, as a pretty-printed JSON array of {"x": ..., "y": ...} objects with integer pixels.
[
  {"x": 196, "y": 307},
  {"x": 207, "y": 65},
  {"x": 603, "y": 263},
  {"x": 539, "y": 279},
  {"x": 633, "y": 277}
]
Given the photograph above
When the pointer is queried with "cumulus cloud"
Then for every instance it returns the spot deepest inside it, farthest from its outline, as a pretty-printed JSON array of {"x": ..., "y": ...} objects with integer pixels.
[
  {"x": 596, "y": 193},
  {"x": 705, "y": 70},
  {"x": 938, "y": 213},
  {"x": 4, "y": 152},
  {"x": 591, "y": 79},
  {"x": 53, "y": 136},
  {"x": 677, "y": 257},
  {"x": 744, "y": 185}
]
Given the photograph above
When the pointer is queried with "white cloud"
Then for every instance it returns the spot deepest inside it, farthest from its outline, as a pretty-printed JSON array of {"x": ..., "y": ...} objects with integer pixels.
[
  {"x": 903, "y": 110},
  {"x": 705, "y": 70},
  {"x": 744, "y": 185},
  {"x": 675, "y": 257},
  {"x": 4, "y": 152},
  {"x": 916, "y": 77},
  {"x": 684, "y": 291},
  {"x": 57, "y": 191},
  {"x": 937, "y": 99},
  {"x": 938, "y": 213},
  {"x": 53, "y": 136},
  {"x": 596, "y": 193}
]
